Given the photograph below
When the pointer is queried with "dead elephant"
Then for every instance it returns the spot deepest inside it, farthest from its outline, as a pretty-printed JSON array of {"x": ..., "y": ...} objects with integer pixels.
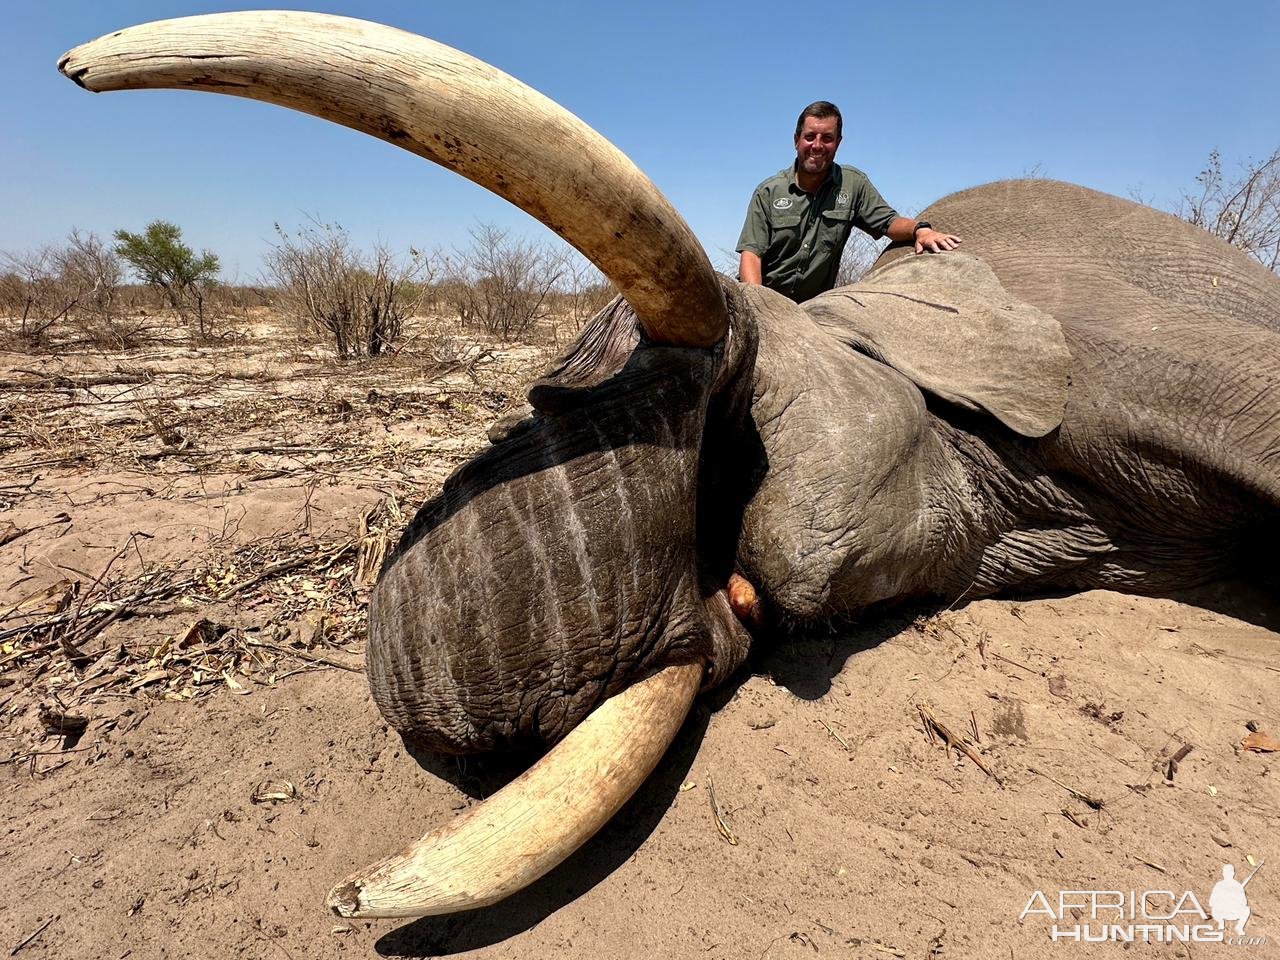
[{"x": 1089, "y": 397}]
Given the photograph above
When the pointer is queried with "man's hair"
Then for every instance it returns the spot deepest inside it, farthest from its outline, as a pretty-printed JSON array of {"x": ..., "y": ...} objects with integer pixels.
[{"x": 820, "y": 110}]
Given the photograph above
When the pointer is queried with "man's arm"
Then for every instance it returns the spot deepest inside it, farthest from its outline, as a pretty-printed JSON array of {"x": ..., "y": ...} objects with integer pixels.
[
  {"x": 904, "y": 230},
  {"x": 754, "y": 239},
  {"x": 877, "y": 218}
]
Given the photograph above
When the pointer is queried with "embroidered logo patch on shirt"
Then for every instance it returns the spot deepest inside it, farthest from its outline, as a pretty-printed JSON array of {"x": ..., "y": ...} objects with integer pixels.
[
  {"x": 842, "y": 198},
  {"x": 782, "y": 203}
]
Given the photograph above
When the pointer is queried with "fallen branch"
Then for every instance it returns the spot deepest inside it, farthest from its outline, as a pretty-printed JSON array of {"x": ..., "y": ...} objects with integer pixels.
[
  {"x": 39, "y": 930},
  {"x": 57, "y": 382},
  {"x": 1172, "y": 768},
  {"x": 69, "y": 458},
  {"x": 1020, "y": 666},
  {"x": 721, "y": 826},
  {"x": 303, "y": 655},
  {"x": 933, "y": 725},
  {"x": 1080, "y": 795},
  {"x": 839, "y": 739},
  {"x": 224, "y": 451},
  {"x": 14, "y": 532},
  {"x": 284, "y": 566},
  {"x": 116, "y": 607}
]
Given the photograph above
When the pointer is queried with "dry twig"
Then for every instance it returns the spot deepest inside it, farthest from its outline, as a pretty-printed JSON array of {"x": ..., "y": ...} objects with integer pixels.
[
  {"x": 954, "y": 741},
  {"x": 721, "y": 826},
  {"x": 1080, "y": 795},
  {"x": 27, "y": 939}
]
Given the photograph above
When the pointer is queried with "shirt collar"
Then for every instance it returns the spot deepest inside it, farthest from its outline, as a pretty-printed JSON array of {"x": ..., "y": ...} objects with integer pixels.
[{"x": 794, "y": 187}]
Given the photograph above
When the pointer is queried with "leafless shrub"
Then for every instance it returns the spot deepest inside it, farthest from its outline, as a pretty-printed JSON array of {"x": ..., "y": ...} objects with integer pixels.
[
  {"x": 11, "y": 290},
  {"x": 357, "y": 300},
  {"x": 237, "y": 306},
  {"x": 726, "y": 261},
  {"x": 583, "y": 291},
  {"x": 500, "y": 284},
  {"x": 97, "y": 272},
  {"x": 1244, "y": 211},
  {"x": 34, "y": 291},
  {"x": 77, "y": 282},
  {"x": 90, "y": 266},
  {"x": 859, "y": 254}
]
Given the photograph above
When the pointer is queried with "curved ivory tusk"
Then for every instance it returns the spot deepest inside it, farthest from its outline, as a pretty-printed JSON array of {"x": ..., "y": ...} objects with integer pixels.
[
  {"x": 534, "y": 823},
  {"x": 446, "y": 106}
]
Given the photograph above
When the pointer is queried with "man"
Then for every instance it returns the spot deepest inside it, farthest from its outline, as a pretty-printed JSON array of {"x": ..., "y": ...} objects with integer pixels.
[{"x": 799, "y": 219}]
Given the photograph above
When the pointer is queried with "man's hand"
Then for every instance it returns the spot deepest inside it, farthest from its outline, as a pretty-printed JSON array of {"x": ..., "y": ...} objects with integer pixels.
[
  {"x": 922, "y": 234},
  {"x": 935, "y": 241}
]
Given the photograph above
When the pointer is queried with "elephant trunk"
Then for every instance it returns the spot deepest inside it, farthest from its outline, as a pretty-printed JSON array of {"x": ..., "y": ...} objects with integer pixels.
[{"x": 452, "y": 109}]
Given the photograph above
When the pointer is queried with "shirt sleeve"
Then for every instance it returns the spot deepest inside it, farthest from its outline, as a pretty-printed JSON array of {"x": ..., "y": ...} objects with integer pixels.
[
  {"x": 871, "y": 212},
  {"x": 755, "y": 231}
]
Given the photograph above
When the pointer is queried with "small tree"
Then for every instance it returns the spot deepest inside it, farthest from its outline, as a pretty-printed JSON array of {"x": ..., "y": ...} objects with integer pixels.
[
  {"x": 160, "y": 259},
  {"x": 501, "y": 284},
  {"x": 1244, "y": 211},
  {"x": 358, "y": 300}
]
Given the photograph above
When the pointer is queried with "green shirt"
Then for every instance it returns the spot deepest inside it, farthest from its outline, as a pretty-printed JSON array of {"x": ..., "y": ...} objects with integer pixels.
[{"x": 800, "y": 237}]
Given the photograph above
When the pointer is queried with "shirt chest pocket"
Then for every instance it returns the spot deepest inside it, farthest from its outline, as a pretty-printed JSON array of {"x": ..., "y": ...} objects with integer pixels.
[
  {"x": 785, "y": 222},
  {"x": 784, "y": 234},
  {"x": 834, "y": 226}
]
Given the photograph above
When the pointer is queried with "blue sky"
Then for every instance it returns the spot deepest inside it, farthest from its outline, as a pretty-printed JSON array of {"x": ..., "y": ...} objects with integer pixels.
[{"x": 702, "y": 96}]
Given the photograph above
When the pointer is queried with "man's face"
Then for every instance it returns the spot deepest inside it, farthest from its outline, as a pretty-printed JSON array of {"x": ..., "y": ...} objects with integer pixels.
[{"x": 816, "y": 145}]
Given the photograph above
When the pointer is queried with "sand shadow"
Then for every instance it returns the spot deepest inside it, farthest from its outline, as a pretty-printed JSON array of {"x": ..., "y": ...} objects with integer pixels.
[
  {"x": 1255, "y": 602},
  {"x": 592, "y": 863},
  {"x": 478, "y": 776},
  {"x": 806, "y": 661}
]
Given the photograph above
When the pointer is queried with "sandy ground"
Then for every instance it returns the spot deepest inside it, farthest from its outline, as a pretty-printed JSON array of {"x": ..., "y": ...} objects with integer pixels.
[{"x": 855, "y": 833}]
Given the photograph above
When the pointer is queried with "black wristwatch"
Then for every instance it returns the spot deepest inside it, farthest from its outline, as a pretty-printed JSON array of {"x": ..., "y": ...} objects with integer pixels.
[{"x": 921, "y": 225}]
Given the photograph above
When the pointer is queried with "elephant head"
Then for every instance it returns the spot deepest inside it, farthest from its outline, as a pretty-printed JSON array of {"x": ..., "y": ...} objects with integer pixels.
[{"x": 915, "y": 434}]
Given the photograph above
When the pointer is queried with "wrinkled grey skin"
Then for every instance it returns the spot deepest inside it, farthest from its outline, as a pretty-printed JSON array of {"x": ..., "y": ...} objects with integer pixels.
[{"x": 1088, "y": 396}]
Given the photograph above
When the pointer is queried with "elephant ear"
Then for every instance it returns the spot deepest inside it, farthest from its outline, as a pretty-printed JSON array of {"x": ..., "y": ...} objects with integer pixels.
[{"x": 945, "y": 322}]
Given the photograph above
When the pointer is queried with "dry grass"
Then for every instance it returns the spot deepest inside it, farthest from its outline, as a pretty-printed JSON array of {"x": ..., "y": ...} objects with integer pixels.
[{"x": 246, "y": 493}]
